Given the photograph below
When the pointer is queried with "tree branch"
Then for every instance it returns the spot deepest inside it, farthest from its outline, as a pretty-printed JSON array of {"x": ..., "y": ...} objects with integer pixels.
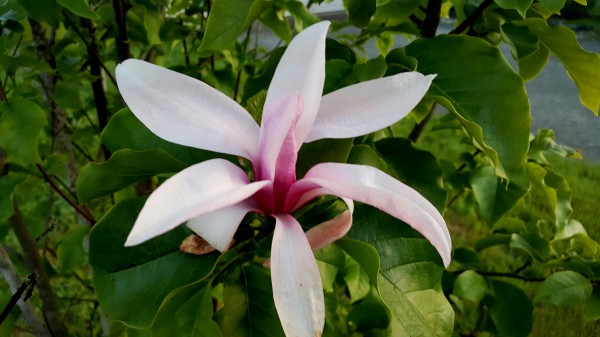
[
  {"x": 121, "y": 40},
  {"x": 468, "y": 22},
  {"x": 432, "y": 18},
  {"x": 37, "y": 325},
  {"x": 70, "y": 201},
  {"x": 33, "y": 261}
]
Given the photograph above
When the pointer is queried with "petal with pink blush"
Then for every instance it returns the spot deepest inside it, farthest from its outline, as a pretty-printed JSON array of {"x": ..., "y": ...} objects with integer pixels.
[
  {"x": 185, "y": 111},
  {"x": 369, "y": 106},
  {"x": 331, "y": 230},
  {"x": 297, "y": 287},
  {"x": 197, "y": 190},
  {"x": 371, "y": 186},
  {"x": 218, "y": 227},
  {"x": 302, "y": 70}
]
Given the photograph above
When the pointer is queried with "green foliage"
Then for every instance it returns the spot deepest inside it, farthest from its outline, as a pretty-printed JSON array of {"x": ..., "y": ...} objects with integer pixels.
[{"x": 521, "y": 209}]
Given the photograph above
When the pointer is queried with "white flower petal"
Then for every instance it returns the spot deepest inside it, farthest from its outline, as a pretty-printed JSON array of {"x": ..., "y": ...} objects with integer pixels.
[
  {"x": 197, "y": 190},
  {"x": 369, "y": 106},
  {"x": 185, "y": 111},
  {"x": 371, "y": 186},
  {"x": 297, "y": 287},
  {"x": 302, "y": 70},
  {"x": 218, "y": 227}
]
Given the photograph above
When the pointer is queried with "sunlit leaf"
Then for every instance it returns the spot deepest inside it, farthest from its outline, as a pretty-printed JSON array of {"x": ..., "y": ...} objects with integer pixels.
[
  {"x": 488, "y": 109},
  {"x": 565, "y": 288},
  {"x": 79, "y": 7},
  {"x": 470, "y": 285}
]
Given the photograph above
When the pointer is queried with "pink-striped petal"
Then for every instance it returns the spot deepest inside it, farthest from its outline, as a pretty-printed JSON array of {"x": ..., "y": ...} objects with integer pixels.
[
  {"x": 218, "y": 227},
  {"x": 197, "y": 190},
  {"x": 185, "y": 111},
  {"x": 297, "y": 287},
  {"x": 302, "y": 70},
  {"x": 278, "y": 153},
  {"x": 368, "y": 106},
  {"x": 371, "y": 186}
]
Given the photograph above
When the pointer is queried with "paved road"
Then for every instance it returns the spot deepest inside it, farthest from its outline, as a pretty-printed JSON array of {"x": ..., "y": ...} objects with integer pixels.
[{"x": 553, "y": 96}]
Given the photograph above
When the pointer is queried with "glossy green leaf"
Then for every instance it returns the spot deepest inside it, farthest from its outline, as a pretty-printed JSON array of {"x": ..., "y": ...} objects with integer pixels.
[
  {"x": 410, "y": 274},
  {"x": 125, "y": 131},
  {"x": 132, "y": 282},
  {"x": 21, "y": 122},
  {"x": 122, "y": 169},
  {"x": 79, "y": 7},
  {"x": 360, "y": 12},
  {"x": 470, "y": 285},
  {"x": 275, "y": 19},
  {"x": 370, "y": 70},
  {"x": 511, "y": 310},
  {"x": 522, "y": 41},
  {"x": 70, "y": 251},
  {"x": 494, "y": 195},
  {"x": 339, "y": 74},
  {"x": 488, "y": 109},
  {"x": 187, "y": 312},
  {"x": 301, "y": 15},
  {"x": 582, "y": 66},
  {"x": 248, "y": 308},
  {"x": 533, "y": 64},
  {"x": 396, "y": 8},
  {"x": 520, "y": 5},
  {"x": 565, "y": 288},
  {"x": 225, "y": 25},
  {"x": 417, "y": 168},
  {"x": 365, "y": 155},
  {"x": 554, "y": 6}
]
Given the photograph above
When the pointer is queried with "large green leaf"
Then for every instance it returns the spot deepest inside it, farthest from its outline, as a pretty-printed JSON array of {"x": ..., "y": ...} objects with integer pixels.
[
  {"x": 410, "y": 274},
  {"x": 187, "y": 312},
  {"x": 582, "y": 66},
  {"x": 511, "y": 310},
  {"x": 132, "y": 282},
  {"x": 228, "y": 19},
  {"x": 322, "y": 151},
  {"x": 43, "y": 10},
  {"x": 21, "y": 122},
  {"x": 125, "y": 131},
  {"x": 565, "y": 288},
  {"x": 477, "y": 84},
  {"x": 123, "y": 168},
  {"x": 520, "y": 5},
  {"x": 248, "y": 308}
]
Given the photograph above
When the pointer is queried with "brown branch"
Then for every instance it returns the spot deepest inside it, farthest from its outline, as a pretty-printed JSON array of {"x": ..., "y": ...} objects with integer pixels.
[
  {"x": 468, "y": 22},
  {"x": 70, "y": 201},
  {"x": 34, "y": 263},
  {"x": 416, "y": 132},
  {"x": 432, "y": 18},
  {"x": 122, "y": 42}
]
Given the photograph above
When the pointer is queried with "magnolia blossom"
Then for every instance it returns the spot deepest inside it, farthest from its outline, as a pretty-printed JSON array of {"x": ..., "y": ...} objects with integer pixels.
[{"x": 213, "y": 196}]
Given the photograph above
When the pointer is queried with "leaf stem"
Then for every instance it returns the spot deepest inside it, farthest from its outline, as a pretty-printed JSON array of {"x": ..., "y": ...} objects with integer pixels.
[{"x": 468, "y": 22}]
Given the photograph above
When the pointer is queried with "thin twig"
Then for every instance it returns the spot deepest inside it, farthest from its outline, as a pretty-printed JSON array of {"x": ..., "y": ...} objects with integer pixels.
[
  {"x": 468, "y": 22},
  {"x": 70, "y": 201}
]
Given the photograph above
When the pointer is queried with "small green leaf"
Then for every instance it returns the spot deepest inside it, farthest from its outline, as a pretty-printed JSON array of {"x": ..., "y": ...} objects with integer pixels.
[
  {"x": 592, "y": 306},
  {"x": 8, "y": 183},
  {"x": 543, "y": 145},
  {"x": 582, "y": 66},
  {"x": 522, "y": 41},
  {"x": 520, "y": 5},
  {"x": 370, "y": 70},
  {"x": 70, "y": 251},
  {"x": 275, "y": 19},
  {"x": 531, "y": 66},
  {"x": 465, "y": 66},
  {"x": 556, "y": 189},
  {"x": 132, "y": 282},
  {"x": 470, "y": 285},
  {"x": 152, "y": 23},
  {"x": 322, "y": 151},
  {"x": 67, "y": 95},
  {"x": 511, "y": 310},
  {"x": 494, "y": 195},
  {"x": 21, "y": 122},
  {"x": 360, "y": 12},
  {"x": 395, "y": 8},
  {"x": 122, "y": 169},
  {"x": 79, "y": 7},
  {"x": 533, "y": 244},
  {"x": 43, "y": 10},
  {"x": 565, "y": 288},
  {"x": 554, "y": 6}
]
